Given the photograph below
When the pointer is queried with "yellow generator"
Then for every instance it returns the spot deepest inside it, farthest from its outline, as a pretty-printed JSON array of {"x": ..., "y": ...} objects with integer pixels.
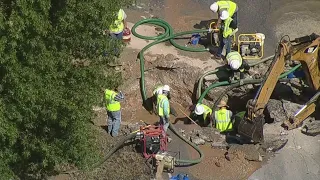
[{"x": 250, "y": 46}]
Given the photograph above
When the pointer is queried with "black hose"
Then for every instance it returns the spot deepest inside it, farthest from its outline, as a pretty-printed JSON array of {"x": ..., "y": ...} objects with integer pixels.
[{"x": 112, "y": 151}]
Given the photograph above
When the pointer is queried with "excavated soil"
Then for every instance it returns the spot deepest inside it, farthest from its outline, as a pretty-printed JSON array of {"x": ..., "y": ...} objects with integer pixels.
[{"x": 181, "y": 70}]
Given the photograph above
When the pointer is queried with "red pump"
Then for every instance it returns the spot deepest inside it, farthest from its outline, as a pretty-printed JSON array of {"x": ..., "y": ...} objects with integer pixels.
[{"x": 153, "y": 140}]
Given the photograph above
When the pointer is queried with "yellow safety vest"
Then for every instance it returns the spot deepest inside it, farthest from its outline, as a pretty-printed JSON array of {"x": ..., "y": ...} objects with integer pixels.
[
  {"x": 227, "y": 31},
  {"x": 160, "y": 102},
  {"x": 207, "y": 111},
  {"x": 117, "y": 25},
  {"x": 111, "y": 104},
  {"x": 223, "y": 120},
  {"x": 227, "y": 5}
]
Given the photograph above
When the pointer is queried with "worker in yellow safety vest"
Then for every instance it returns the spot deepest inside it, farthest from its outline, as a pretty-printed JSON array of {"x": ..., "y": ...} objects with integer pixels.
[
  {"x": 157, "y": 91},
  {"x": 236, "y": 65},
  {"x": 163, "y": 107},
  {"x": 117, "y": 27},
  {"x": 231, "y": 9},
  {"x": 222, "y": 118},
  {"x": 112, "y": 99},
  {"x": 204, "y": 114}
]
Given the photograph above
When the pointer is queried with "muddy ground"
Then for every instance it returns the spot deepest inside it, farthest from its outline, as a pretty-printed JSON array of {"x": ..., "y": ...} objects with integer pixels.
[{"x": 181, "y": 70}]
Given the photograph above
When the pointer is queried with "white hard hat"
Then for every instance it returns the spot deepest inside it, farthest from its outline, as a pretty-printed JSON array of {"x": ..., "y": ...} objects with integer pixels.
[
  {"x": 166, "y": 88},
  {"x": 224, "y": 15},
  {"x": 234, "y": 64},
  {"x": 159, "y": 91},
  {"x": 199, "y": 110},
  {"x": 214, "y": 7}
]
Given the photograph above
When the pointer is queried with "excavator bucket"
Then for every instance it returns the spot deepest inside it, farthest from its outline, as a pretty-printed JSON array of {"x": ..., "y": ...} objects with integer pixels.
[{"x": 252, "y": 129}]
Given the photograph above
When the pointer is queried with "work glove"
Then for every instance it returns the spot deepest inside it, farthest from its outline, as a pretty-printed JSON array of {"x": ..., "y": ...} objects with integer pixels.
[{"x": 210, "y": 30}]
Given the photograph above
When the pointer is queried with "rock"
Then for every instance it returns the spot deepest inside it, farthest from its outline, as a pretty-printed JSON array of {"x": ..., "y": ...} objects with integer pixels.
[
  {"x": 276, "y": 111},
  {"x": 290, "y": 108},
  {"x": 221, "y": 144},
  {"x": 274, "y": 143},
  {"x": 170, "y": 57},
  {"x": 197, "y": 140},
  {"x": 204, "y": 137},
  {"x": 249, "y": 150},
  {"x": 311, "y": 128}
]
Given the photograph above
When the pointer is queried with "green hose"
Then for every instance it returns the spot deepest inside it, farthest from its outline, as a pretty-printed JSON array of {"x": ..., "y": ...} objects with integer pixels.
[
  {"x": 168, "y": 35},
  {"x": 225, "y": 83},
  {"x": 200, "y": 82}
]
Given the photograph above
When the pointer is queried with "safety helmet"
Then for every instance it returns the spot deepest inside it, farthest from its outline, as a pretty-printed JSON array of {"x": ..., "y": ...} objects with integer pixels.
[
  {"x": 224, "y": 15},
  {"x": 199, "y": 110},
  {"x": 166, "y": 88},
  {"x": 214, "y": 7},
  {"x": 235, "y": 64}
]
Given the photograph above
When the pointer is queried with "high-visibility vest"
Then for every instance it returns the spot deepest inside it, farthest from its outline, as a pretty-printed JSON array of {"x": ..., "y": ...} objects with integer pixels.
[
  {"x": 117, "y": 25},
  {"x": 223, "y": 120},
  {"x": 227, "y": 31},
  {"x": 160, "y": 102},
  {"x": 230, "y": 6},
  {"x": 111, "y": 104},
  {"x": 207, "y": 111},
  {"x": 234, "y": 55}
]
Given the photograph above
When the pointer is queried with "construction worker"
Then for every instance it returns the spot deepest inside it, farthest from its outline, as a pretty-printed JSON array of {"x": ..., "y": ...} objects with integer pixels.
[
  {"x": 222, "y": 117},
  {"x": 225, "y": 35},
  {"x": 113, "y": 107},
  {"x": 231, "y": 9},
  {"x": 236, "y": 65},
  {"x": 205, "y": 112},
  {"x": 116, "y": 29},
  {"x": 163, "y": 107},
  {"x": 156, "y": 92}
]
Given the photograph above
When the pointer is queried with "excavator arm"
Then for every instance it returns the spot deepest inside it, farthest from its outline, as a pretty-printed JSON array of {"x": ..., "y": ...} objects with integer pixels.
[{"x": 304, "y": 49}]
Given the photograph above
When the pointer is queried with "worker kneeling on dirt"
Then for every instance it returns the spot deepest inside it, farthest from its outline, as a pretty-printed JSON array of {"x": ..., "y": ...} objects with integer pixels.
[
  {"x": 204, "y": 112},
  {"x": 222, "y": 117},
  {"x": 236, "y": 65},
  {"x": 113, "y": 106},
  {"x": 163, "y": 107}
]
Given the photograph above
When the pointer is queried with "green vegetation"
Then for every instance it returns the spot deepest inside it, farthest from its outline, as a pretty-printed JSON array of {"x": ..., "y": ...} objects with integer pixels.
[{"x": 52, "y": 71}]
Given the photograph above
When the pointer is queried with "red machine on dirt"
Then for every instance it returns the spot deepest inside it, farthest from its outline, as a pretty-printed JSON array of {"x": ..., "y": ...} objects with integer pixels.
[{"x": 153, "y": 140}]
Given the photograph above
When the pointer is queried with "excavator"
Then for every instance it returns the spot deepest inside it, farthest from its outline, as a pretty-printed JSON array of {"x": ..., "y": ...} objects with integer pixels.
[{"x": 304, "y": 50}]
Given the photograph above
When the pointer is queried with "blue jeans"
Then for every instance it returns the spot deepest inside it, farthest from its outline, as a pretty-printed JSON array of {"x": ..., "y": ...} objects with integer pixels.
[
  {"x": 117, "y": 36},
  {"x": 224, "y": 42},
  {"x": 165, "y": 122},
  {"x": 114, "y": 121}
]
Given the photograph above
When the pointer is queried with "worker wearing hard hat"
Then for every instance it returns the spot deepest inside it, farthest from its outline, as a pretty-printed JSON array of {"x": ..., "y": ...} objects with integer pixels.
[
  {"x": 163, "y": 107},
  {"x": 117, "y": 27},
  {"x": 113, "y": 107},
  {"x": 236, "y": 64},
  {"x": 157, "y": 91},
  {"x": 204, "y": 114},
  {"x": 222, "y": 117},
  {"x": 230, "y": 8}
]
